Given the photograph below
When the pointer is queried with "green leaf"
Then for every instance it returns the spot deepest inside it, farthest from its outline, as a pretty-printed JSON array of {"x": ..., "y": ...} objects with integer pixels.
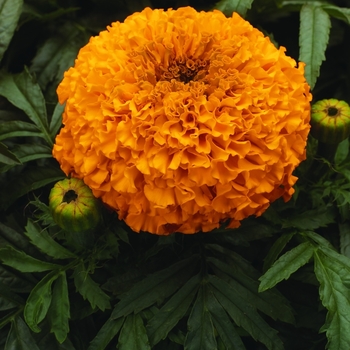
[
  {"x": 7, "y": 157},
  {"x": 286, "y": 265},
  {"x": 19, "y": 337},
  {"x": 244, "y": 315},
  {"x": 57, "y": 54},
  {"x": 250, "y": 230},
  {"x": 133, "y": 335},
  {"x": 230, "y": 6},
  {"x": 31, "y": 151},
  {"x": 311, "y": 219},
  {"x": 56, "y": 120},
  {"x": 42, "y": 240},
  {"x": 30, "y": 179},
  {"x": 17, "y": 128},
  {"x": 23, "y": 262},
  {"x": 321, "y": 241},
  {"x": 19, "y": 283},
  {"x": 25, "y": 94},
  {"x": 155, "y": 287},
  {"x": 9, "y": 299},
  {"x": 10, "y": 11},
  {"x": 58, "y": 313},
  {"x": 201, "y": 333},
  {"x": 341, "y": 260},
  {"x": 39, "y": 301},
  {"x": 224, "y": 325},
  {"x": 269, "y": 302},
  {"x": 169, "y": 315},
  {"x": 314, "y": 31},
  {"x": 344, "y": 233},
  {"x": 44, "y": 17},
  {"x": 16, "y": 239},
  {"x": 108, "y": 331},
  {"x": 89, "y": 289},
  {"x": 122, "y": 234},
  {"x": 341, "y": 13},
  {"x": 276, "y": 249},
  {"x": 335, "y": 297},
  {"x": 342, "y": 151}
]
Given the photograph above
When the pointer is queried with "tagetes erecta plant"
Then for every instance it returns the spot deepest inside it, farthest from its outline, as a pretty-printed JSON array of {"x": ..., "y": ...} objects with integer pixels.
[{"x": 180, "y": 120}]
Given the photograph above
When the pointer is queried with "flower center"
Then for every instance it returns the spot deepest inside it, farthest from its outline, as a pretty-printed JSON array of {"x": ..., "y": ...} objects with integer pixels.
[
  {"x": 70, "y": 196},
  {"x": 332, "y": 112},
  {"x": 184, "y": 70}
]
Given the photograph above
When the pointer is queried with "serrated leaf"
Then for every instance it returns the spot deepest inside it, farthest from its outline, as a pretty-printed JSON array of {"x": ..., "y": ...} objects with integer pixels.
[
  {"x": 42, "y": 240},
  {"x": 9, "y": 299},
  {"x": 223, "y": 325},
  {"x": 30, "y": 179},
  {"x": 230, "y": 6},
  {"x": 39, "y": 301},
  {"x": 32, "y": 151},
  {"x": 7, "y": 157},
  {"x": 314, "y": 31},
  {"x": 16, "y": 239},
  {"x": 23, "y": 262},
  {"x": 19, "y": 128},
  {"x": 286, "y": 265},
  {"x": 155, "y": 287},
  {"x": 335, "y": 297},
  {"x": 19, "y": 283},
  {"x": 169, "y": 315},
  {"x": 108, "y": 331},
  {"x": 276, "y": 249},
  {"x": 269, "y": 302},
  {"x": 133, "y": 335},
  {"x": 250, "y": 230},
  {"x": 10, "y": 11},
  {"x": 89, "y": 289},
  {"x": 59, "y": 311},
  {"x": 201, "y": 333},
  {"x": 342, "y": 261},
  {"x": 56, "y": 120},
  {"x": 57, "y": 54},
  {"x": 19, "y": 337},
  {"x": 311, "y": 219},
  {"x": 321, "y": 241},
  {"x": 25, "y": 94},
  {"x": 344, "y": 233},
  {"x": 244, "y": 315},
  {"x": 341, "y": 13}
]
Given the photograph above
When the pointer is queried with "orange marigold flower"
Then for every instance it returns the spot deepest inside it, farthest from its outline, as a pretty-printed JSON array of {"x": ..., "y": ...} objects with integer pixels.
[{"x": 181, "y": 120}]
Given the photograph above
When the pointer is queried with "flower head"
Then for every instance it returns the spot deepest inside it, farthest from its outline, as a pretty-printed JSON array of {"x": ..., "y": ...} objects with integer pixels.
[{"x": 181, "y": 120}]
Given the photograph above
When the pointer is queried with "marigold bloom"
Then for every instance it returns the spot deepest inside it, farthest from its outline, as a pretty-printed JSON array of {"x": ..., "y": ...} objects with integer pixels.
[{"x": 181, "y": 120}]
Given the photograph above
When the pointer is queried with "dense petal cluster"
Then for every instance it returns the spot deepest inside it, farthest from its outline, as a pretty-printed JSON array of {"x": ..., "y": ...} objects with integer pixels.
[{"x": 181, "y": 120}]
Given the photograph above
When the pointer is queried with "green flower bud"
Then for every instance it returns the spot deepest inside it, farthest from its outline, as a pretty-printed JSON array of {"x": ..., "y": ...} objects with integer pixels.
[
  {"x": 73, "y": 206},
  {"x": 330, "y": 121}
]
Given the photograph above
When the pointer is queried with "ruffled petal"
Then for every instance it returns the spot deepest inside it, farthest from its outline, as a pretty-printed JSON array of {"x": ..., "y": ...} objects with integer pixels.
[{"x": 181, "y": 120}]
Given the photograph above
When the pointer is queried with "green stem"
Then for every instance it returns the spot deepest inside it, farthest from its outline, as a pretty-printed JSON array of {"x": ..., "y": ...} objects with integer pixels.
[
  {"x": 318, "y": 167},
  {"x": 326, "y": 151}
]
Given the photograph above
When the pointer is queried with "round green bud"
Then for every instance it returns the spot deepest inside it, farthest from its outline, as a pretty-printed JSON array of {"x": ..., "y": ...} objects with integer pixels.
[
  {"x": 330, "y": 121},
  {"x": 73, "y": 206}
]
